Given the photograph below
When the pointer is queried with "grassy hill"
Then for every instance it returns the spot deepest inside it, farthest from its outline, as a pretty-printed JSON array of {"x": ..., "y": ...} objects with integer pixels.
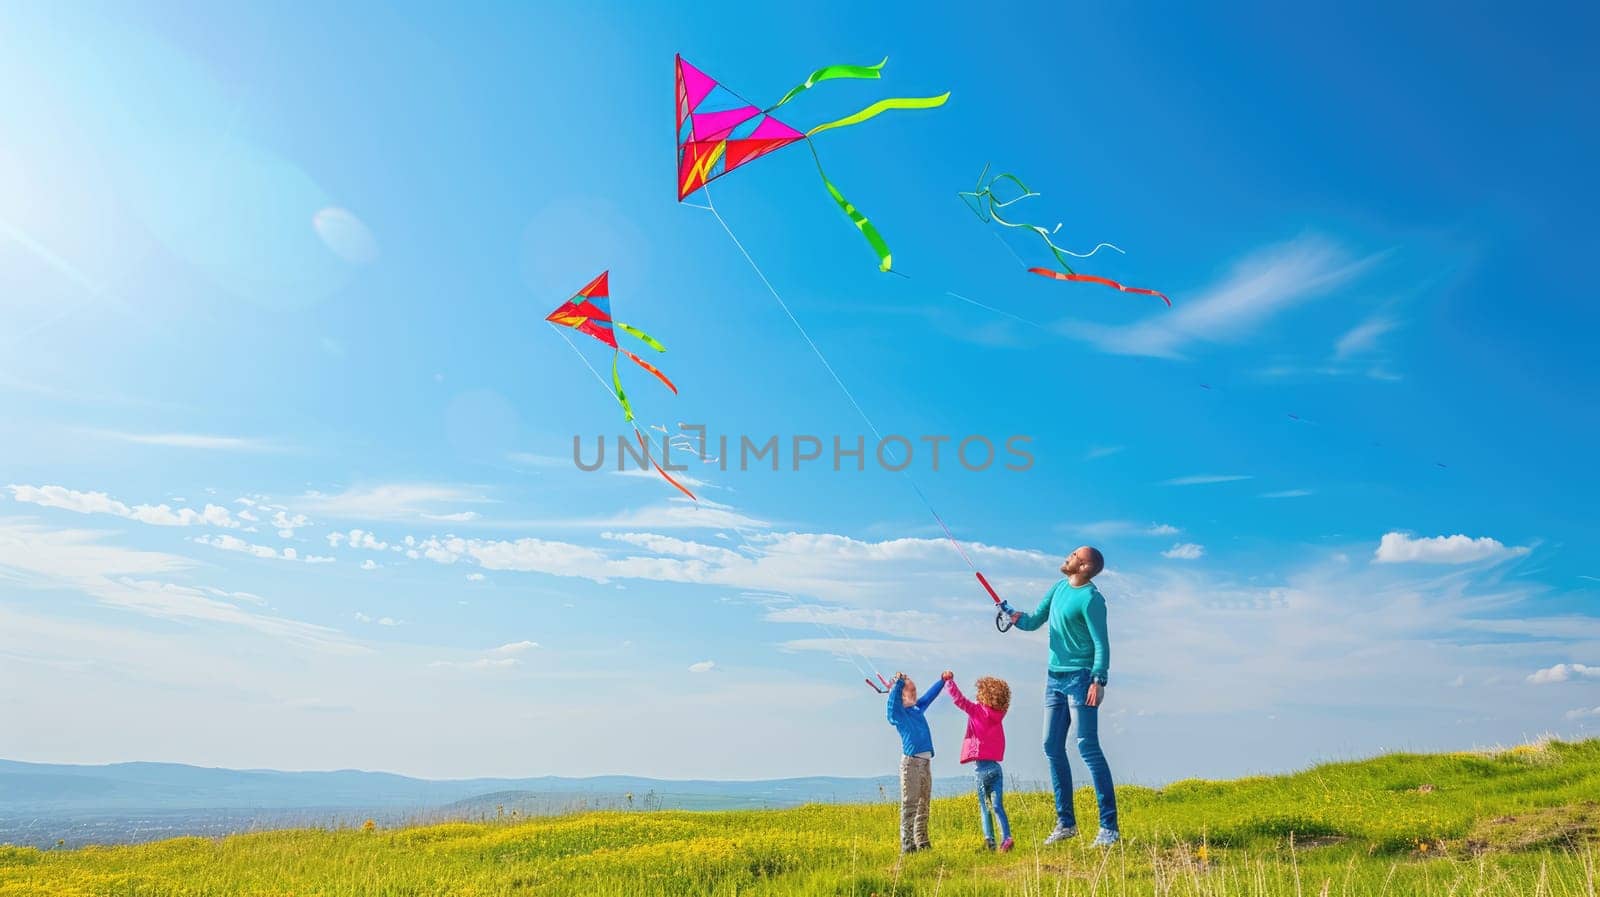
[{"x": 1522, "y": 821}]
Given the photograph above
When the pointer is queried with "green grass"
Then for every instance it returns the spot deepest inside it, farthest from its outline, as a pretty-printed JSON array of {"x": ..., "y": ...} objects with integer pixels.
[{"x": 1521, "y": 821}]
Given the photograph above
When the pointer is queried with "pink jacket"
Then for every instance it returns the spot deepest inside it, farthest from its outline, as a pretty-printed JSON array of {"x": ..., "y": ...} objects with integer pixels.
[{"x": 986, "y": 737}]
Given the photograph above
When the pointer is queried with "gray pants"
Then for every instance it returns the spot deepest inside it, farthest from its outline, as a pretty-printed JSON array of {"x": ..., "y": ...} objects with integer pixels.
[{"x": 916, "y": 791}]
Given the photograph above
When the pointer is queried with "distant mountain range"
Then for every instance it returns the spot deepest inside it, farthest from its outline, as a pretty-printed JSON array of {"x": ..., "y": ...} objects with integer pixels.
[
  {"x": 52, "y": 788},
  {"x": 41, "y": 803}
]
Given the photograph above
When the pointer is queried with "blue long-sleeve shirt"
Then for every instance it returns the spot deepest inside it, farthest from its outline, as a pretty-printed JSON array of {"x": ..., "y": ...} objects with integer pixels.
[
  {"x": 910, "y": 721},
  {"x": 1078, "y": 639}
]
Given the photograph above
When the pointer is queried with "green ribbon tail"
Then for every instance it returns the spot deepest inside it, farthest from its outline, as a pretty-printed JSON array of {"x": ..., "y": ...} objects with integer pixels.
[
  {"x": 879, "y": 108},
  {"x": 861, "y": 221},
  {"x": 1043, "y": 235},
  {"x": 640, "y": 335},
  {"x": 829, "y": 73},
  {"x": 616, "y": 383}
]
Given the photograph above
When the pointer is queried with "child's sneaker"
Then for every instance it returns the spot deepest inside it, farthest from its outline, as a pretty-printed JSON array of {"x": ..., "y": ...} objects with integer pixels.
[
  {"x": 1006, "y": 845},
  {"x": 1106, "y": 838},
  {"x": 1062, "y": 833},
  {"x": 988, "y": 843}
]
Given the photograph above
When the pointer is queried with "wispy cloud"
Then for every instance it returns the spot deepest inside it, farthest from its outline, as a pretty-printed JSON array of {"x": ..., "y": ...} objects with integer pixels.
[
  {"x": 704, "y": 666},
  {"x": 1102, "y": 451},
  {"x": 1205, "y": 479},
  {"x": 1584, "y": 713},
  {"x": 691, "y": 481},
  {"x": 515, "y": 648},
  {"x": 394, "y": 501},
  {"x": 83, "y": 561},
  {"x": 1362, "y": 339},
  {"x": 202, "y": 441},
  {"x": 1288, "y": 493},
  {"x": 1105, "y": 529},
  {"x": 1402, "y": 548},
  {"x": 1564, "y": 672},
  {"x": 1262, "y": 286},
  {"x": 1185, "y": 551},
  {"x": 481, "y": 663},
  {"x": 100, "y": 503}
]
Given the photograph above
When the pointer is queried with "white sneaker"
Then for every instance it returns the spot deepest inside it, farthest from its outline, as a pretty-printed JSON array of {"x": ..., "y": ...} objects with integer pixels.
[
  {"x": 1061, "y": 833},
  {"x": 1106, "y": 838}
]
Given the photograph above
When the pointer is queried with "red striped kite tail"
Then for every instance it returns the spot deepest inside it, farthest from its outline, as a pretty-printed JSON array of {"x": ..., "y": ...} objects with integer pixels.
[
  {"x": 664, "y": 475},
  {"x": 1090, "y": 278},
  {"x": 651, "y": 368}
]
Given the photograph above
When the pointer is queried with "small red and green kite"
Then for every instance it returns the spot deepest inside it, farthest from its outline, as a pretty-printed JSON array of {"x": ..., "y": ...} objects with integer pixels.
[
  {"x": 589, "y": 311},
  {"x": 719, "y": 131}
]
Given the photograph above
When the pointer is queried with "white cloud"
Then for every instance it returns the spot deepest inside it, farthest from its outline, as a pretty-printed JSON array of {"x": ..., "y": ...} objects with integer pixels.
[
  {"x": 1163, "y": 529},
  {"x": 191, "y": 441},
  {"x": 819, "y": 564},
  {"x": 1401, "y": 548},
  {"x": 458, "y": 517},
  {"x": 1206, "y": 479},
  {"x": 369, "y": 564},
  {"x": 474, "y": 577},
  {"x": 1581, "y": 713},
  {"x": 234, "y": 543},
  {"x": 1363, "y": 338},
  {"x": 1185, "y": 551},
  {"x": 1563, "y": 672},
  {"x": 1288, "y": 493},
  {"x": 357, "y": 538},
  {"x": 704, "y": 666},
  {"x": 101, "y": 503},
  {"x": 392, "y": 501},
  {"x": 287, "y": 524},
  {"x": 1260, "y": 287},
  {"x": 516, "y": 648}
]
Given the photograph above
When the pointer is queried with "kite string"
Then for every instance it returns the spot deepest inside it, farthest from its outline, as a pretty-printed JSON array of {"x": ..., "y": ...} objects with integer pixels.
[
  {"x": 738, "y": 531},
  {"x": 711, "y": 205},
  {"x": 597, "y": 378}
]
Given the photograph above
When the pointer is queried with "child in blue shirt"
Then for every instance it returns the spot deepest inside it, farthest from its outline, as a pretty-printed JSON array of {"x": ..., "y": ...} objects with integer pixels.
[{"x": 906, "y": 714}]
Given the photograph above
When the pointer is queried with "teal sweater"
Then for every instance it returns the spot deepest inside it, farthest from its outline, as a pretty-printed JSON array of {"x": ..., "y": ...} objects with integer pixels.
[{"x": 1078, "y": 639}]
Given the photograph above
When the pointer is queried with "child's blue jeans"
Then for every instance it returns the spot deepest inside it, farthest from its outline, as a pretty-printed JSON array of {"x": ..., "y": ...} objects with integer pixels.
[{"x": 992, "y": 794}]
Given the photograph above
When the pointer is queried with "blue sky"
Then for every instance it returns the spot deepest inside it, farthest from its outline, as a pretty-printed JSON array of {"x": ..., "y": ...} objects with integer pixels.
[{"x": 270, "y": 278}]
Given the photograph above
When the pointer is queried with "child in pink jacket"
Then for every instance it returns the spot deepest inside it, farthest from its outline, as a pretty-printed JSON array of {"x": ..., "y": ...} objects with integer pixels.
[{"x": 985, "y": 743}]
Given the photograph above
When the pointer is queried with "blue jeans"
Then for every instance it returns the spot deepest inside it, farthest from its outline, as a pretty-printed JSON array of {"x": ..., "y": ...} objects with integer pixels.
[
  {"x": 992, "y": 793},
  {"x": 1063, "y": 692}
]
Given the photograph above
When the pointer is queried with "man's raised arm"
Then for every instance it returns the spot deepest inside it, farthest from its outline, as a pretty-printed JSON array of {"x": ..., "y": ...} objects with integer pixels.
[{"x": 1030, "y": 622}]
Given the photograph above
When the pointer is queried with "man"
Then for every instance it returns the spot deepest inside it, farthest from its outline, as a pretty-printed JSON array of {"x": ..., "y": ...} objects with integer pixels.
[{"x": 1080, "y": 654}]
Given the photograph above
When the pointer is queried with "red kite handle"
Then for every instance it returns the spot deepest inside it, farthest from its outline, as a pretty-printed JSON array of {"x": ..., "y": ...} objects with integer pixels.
[{"x": 986, "y": 587}]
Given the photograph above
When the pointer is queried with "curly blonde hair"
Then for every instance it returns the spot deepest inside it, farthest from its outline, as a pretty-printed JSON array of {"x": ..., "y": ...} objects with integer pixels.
[{"x": 994, "y": 693}]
